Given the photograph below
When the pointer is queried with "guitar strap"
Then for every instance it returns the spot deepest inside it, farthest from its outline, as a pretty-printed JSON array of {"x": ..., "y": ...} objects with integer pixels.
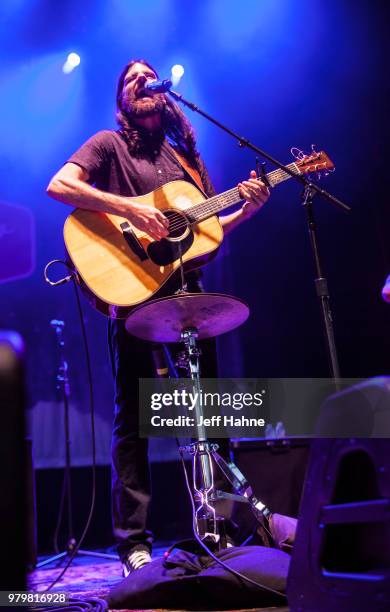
[{"x": 193, "y": 172}]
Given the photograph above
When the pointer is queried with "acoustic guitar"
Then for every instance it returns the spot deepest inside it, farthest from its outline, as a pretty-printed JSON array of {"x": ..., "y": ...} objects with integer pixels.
[{"x": 119, "y": 267}]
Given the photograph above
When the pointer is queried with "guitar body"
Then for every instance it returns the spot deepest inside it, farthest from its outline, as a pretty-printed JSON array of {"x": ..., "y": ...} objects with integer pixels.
[{"x": 120, "y": 267}]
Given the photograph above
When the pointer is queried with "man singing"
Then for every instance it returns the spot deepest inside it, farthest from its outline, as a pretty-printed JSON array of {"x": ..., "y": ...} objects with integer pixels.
[{"x": 105, "y": 175}]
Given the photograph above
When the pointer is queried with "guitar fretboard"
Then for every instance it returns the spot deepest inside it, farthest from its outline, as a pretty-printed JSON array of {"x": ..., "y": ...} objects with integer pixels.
[{"x": 214, "y": 205}]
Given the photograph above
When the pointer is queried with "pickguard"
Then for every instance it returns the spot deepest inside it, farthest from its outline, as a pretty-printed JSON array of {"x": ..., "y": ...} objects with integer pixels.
[{"x": 164, "y": 252}]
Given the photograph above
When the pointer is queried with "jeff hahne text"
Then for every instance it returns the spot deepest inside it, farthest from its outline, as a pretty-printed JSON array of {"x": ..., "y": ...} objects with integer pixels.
[{"x": 192, "y": 401}]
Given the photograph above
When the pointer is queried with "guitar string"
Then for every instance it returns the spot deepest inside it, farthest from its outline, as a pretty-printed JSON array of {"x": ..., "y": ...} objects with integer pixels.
[
  {"x": 278, "y": 175},
  {"x": 206, "y": 209},
  {"x": 209, "y": 207},
  {"x": 228, "y": 198},
  {"x": 203, "y": 210},
  {"x": 216, "y": 203},
  {"x": 223, "y": 198},
  {"x": 221, "y": 201},
  {"x": 212, "y": 206}
]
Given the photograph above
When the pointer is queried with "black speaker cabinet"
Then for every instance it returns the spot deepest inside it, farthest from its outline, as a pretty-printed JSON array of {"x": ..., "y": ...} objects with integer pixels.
[
  {"x": 13, "y": 482},
  {"x": 341, "y": 556}
]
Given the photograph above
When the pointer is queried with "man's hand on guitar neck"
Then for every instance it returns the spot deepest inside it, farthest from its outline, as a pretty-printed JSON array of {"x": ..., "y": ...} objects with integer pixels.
[{"x": 256, "y": 193}]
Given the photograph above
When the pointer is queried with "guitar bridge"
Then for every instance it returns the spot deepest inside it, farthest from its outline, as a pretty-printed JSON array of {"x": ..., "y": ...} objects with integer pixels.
[{"x": 133, "y": 242}]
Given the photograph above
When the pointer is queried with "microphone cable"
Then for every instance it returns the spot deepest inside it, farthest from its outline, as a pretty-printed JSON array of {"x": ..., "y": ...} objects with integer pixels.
[{"x": 72, "y": 277}]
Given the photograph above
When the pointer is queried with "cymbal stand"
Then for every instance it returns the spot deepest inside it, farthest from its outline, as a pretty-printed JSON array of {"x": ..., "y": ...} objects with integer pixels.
[{"x": 209, "y": 525}]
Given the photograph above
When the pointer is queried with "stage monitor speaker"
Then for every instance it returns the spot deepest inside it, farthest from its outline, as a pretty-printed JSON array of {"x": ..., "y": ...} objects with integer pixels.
[
  {"x": 341, "y": 556},
  {"x": 362, "y": 410},
  {"x": 13, "y": 481}
]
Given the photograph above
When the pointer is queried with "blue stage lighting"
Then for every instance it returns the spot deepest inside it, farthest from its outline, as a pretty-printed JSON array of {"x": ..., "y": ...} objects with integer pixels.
[
  {"x": 72, "y": 61},
  {"x": 177, "y": 72}
]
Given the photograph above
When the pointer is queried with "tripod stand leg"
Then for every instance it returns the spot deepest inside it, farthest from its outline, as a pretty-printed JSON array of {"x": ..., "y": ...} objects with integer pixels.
[
  {"x": 90, "y": 553},
  {"x": 51, "y": 559},
  {"x": 243, "y": 488}
]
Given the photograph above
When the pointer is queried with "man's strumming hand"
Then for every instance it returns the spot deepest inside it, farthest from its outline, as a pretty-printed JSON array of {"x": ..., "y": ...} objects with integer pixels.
[{"x": 148, "y": 219}]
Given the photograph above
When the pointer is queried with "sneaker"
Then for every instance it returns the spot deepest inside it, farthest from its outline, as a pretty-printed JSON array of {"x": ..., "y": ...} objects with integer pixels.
[{"x": 137, "y": 558}]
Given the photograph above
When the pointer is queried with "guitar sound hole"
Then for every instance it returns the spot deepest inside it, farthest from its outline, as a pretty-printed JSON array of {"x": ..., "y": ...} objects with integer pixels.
[
  {"x": 179, "y": 241},
  {"x": 164, "y": 252},
  {"x": 178, "y": 224}
]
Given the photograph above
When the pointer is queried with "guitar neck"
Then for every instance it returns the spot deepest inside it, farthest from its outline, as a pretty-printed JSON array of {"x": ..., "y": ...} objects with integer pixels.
[{"x": 214, "y": 205}]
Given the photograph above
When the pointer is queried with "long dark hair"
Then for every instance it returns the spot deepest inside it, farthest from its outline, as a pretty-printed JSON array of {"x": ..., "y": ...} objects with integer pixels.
[{"x": 175, "y": 124}]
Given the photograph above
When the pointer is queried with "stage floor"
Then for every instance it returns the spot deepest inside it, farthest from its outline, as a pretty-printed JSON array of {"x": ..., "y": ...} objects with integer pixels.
[
  {"x": 87, "y": 576},
  {"x": 92, "y": 577}
]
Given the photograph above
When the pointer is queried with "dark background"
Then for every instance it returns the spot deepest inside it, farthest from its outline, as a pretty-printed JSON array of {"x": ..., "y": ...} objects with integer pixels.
[{"x": 282, "y": 74}]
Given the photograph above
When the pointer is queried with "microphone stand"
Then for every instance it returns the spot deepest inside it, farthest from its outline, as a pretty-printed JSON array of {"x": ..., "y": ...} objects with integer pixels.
[
  {"x": 63, "y": 384},
  {"x": 309, "y": 191}
]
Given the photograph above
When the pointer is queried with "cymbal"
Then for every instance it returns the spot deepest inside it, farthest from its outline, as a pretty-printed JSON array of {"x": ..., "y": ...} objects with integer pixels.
[{"x": 163, "y": 320}]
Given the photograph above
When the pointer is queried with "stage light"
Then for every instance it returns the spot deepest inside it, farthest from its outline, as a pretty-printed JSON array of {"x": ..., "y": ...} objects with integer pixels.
[
  {"x": 177, "y": 72},
  {"x": 72, "y": 61}
]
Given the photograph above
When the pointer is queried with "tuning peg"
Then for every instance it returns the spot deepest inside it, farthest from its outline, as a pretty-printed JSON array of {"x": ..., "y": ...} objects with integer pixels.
[
  {"x": 297, "y": 153},
  {"x": 313, "y": 149}
]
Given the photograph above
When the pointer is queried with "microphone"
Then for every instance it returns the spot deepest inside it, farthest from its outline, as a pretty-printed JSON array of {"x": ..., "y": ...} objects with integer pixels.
[{"x": 158, "y": 86}]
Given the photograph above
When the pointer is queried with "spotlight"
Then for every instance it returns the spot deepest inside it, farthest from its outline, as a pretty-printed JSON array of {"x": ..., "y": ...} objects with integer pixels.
[
  {"x": 72, "y": 61},
  {"x": 177, "y": 72}
]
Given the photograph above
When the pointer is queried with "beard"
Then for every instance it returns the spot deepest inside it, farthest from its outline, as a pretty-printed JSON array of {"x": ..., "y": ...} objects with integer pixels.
[{"x": 145, "y": 106}]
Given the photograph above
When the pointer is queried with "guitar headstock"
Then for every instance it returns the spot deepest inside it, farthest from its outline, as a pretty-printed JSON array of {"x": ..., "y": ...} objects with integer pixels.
[{"x": 315, "y": 162}]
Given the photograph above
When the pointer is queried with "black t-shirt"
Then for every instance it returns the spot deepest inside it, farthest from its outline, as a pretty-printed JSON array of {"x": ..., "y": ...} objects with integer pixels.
[{"x": 112, "y": 168}]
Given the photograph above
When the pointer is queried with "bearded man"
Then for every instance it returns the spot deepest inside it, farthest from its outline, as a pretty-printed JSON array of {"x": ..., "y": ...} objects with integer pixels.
[{"x": 105, "y": 175}]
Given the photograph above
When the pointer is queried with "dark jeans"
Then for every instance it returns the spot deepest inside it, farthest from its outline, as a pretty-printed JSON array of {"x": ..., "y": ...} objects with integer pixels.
[{"x": 132, "y": 359}]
